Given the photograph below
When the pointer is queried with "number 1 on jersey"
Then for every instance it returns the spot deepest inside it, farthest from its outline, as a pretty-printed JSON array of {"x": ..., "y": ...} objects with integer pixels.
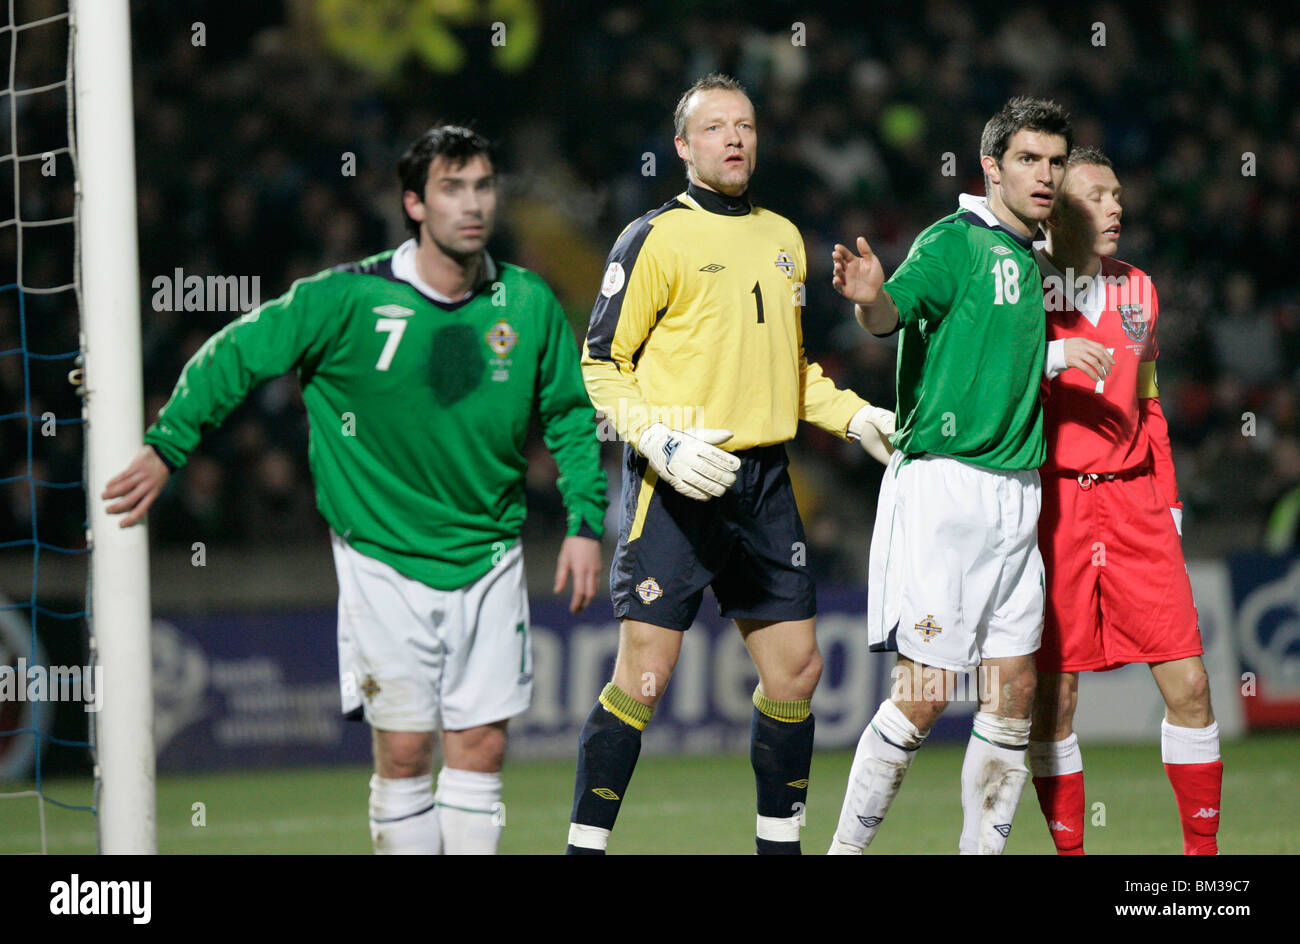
[
  {"x": 758, "y": 299},
  {"x": 394, "y": 327}
]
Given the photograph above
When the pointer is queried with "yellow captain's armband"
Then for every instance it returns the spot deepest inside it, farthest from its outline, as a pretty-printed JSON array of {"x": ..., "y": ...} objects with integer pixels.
[{"x": 1147, "y": 380}]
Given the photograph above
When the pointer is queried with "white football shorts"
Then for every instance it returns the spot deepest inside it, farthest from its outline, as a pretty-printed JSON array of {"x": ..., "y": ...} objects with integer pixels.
[
  {"x": 413, "y": 658},
  {"x": 955, "y": 573}
]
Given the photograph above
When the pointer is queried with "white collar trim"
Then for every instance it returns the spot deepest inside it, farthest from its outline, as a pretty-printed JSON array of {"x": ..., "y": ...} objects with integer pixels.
[
  {"x": 980, "y": 207},
  {"x": 404, "y": 268}
]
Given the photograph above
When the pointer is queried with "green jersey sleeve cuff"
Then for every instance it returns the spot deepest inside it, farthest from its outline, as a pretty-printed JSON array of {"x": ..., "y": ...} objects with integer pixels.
[
  {"x": 171, "y": 456},
  {"x": 581, "y": 528}
]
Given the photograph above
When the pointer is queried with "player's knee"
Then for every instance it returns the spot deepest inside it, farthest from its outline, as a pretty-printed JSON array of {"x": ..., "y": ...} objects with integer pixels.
[
  {"x": 924, "y": 713},
  {"x": 1013, "y": 697},
  {"x": 481, "y": 749},
  {"x": 1191, "y": 696},
  {"x": 648, "y": 680},
  {"x": 1054, "y": 702},
  {"x": 808, "y": 674},
  {"x": 795, "y": 679},
  {"x": 401, "y": 754}
]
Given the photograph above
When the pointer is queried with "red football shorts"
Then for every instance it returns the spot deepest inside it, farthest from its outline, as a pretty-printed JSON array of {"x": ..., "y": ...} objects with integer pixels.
[{"x": 1117, "y": 584}]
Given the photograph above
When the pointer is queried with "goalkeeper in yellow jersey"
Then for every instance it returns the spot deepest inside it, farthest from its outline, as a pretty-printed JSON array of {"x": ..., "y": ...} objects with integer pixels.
[{"x": 695, "y": 355}]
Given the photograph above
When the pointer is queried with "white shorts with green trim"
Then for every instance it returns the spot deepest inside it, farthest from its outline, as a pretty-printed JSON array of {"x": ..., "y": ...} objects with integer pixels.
[
  {"x": 955, "y": 576},
  {"x": 412, "y": 658}
]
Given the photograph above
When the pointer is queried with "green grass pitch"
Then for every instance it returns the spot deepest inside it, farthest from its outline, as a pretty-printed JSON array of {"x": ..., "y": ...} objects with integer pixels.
[{"x": 693, "y": 805}]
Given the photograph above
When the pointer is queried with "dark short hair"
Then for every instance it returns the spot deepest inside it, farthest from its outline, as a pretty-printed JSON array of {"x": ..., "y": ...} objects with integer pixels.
[
  {"x": 1088, "y": 155},
  {"x": 714, "y": 80},
  {"x": 1024, "y": 113},
  {"x": 453, "y": 142}
]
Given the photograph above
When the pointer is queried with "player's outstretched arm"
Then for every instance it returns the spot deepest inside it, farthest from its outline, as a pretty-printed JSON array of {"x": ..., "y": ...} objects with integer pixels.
[
  {"x": 860, "y": 279},
  {"x": 136, "y": 486},
  {"x": 580, "y": 557}
]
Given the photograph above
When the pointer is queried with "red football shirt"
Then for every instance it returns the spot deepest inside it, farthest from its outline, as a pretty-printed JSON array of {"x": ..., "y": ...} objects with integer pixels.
[{"x": 1113, "y": 426}]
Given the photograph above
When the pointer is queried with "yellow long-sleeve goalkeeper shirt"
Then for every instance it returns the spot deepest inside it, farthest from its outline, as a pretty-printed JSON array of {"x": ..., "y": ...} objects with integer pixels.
[{"x": 698, "y": 323}]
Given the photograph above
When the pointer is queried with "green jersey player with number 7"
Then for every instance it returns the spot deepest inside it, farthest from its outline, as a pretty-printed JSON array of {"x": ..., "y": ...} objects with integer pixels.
[
  {"x": 956, "y": 578},
  {"x": 420, "y": 369}
]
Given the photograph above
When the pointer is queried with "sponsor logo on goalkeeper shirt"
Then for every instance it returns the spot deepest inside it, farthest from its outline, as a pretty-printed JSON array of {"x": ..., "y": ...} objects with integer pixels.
[
  {"x": 613, "y": 281},
  {"x": 712, "y": 267}
]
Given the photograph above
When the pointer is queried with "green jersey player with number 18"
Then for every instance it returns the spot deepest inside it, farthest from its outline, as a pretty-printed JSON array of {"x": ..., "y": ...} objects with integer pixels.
[
  {"x": 420, "y": 369},
  {"x": 956, "y": 579}
]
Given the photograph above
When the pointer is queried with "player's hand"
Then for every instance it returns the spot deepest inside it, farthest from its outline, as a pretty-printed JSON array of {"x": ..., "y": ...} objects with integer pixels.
[
  {"x": 581, "y": 557},
  {"x": 1090, "y": 357},
  {"x": 871, "y": 427},
  {"x": 690, "y": 461},
  {"x": 858, "y": 278},
  {"x": 136, "y": 486}
]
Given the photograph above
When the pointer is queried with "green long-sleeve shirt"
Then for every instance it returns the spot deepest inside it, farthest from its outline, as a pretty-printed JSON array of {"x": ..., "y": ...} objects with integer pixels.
[{"x": 419, "y": 409}]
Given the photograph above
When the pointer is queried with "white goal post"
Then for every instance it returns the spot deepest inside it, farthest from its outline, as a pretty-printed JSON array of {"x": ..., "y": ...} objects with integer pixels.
[{"x": 110, "y": 303}]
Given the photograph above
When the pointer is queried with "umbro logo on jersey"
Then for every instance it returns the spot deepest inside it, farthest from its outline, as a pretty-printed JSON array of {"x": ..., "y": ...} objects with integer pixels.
[
  {"x": 871, "y": 822},
  {"x": 393, "y": 311},
  {"x": 785, "y": 263},
  {"x": 1204, "y": 813},
  {"x": 1002, "y": 250},
  {"x": 1004, "y": 829},
  {"x": 712, "y": 267},
  {"x": 605, "y": 793},
  {"x": 1057, "y": 826}
]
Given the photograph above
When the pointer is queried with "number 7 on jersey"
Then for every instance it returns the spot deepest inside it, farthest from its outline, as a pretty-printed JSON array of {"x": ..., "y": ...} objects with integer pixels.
[{"x": 394, "y": 327}]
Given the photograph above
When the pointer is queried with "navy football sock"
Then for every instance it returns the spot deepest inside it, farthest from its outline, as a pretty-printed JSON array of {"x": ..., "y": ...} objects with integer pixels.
[
  {"x": 781, "y": 744},
  {"x": 607, "y": 753}
]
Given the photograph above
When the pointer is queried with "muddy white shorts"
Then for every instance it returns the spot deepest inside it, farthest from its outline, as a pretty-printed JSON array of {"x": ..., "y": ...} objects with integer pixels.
[
  {"x": 955, "y": 574},
  {"x": 413, "y": 658}
]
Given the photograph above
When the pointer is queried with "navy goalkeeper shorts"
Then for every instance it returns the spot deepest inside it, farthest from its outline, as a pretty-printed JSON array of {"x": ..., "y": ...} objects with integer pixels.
[{"x": 748, "y": 545}]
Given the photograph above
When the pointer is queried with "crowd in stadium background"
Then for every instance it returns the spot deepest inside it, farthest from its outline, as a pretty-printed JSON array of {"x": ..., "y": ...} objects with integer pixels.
[{"x": 868, "y": 127}]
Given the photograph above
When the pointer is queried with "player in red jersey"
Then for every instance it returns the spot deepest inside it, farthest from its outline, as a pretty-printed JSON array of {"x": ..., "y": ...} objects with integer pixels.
[{"x": 1109, "y": 532}]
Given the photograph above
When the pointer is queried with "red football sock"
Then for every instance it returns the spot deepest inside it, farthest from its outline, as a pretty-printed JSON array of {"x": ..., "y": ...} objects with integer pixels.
[
  {"x": 1061, "y": 800},
  {"x": 1198, "y": 788}
]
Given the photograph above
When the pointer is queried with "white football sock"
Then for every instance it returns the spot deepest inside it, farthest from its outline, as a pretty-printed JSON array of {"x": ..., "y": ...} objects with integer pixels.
[
  {"x": 885, "y": 751},
  {"x": 1055, "y": 758},
  {"x": 470, "y": 811},
  {"x": 403, "y": 819},
  {"x": 1189, "y": 745},
  {"x": 993, "y": 776}
]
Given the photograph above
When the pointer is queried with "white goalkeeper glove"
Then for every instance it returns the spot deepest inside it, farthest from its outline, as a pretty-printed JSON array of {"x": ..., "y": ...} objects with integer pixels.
[
  {"x": 872, "y": 427},
  {"x": 690, "y": 461}
]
